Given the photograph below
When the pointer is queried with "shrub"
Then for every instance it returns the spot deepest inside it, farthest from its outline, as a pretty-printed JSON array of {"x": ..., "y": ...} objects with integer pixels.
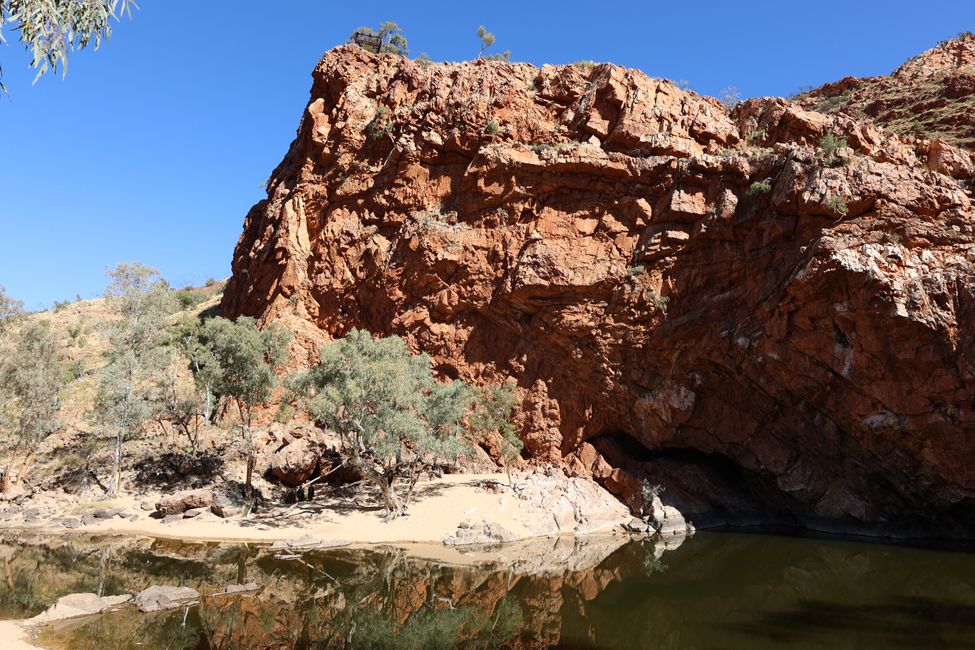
[
  {"x": 830, "y": 144},
  {"x": 730, "y": 97},
  {"x": 187, "y": 298},
  {"x": 760, "y": 187},
  {"x": 636, "y": 269},
  {"x": 380, "y": 125},
  {"x": 837, "y": 204},
  {"x": 492, "y": 127}
]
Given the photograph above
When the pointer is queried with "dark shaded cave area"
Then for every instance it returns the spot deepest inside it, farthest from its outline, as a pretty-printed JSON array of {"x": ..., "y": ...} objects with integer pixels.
[{"x": 711, "y": 490}]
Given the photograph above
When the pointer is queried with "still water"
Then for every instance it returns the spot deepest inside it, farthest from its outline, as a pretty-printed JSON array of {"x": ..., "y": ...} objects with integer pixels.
[{"x": 715, "y": 591}]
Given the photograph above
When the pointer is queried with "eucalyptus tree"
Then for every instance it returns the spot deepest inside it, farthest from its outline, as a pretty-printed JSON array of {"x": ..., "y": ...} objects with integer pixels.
[
  {"x": 51, "y": 29},
  {"x": 239, "y": 362},
  {"x": 31, "y": 380},
  {"x": 143, "y": 303},
  {"x": 392, "y": 417}
]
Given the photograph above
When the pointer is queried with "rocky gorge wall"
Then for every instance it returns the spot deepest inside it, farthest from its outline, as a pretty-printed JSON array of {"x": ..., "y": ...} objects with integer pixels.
[{"x": 707, "y": 300}]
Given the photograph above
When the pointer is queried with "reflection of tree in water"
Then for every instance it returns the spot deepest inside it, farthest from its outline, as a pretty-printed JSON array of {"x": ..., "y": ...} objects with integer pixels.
[
  {"x": 380, "y": 600},
  {"x": 35, "y": 576},
  {"x": 717, "y": 591}
]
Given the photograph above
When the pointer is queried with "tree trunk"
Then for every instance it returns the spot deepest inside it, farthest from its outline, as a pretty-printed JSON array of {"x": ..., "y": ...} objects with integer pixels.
[
  {"x": 249, "y": 484},
  {"x": 385, "y": 485},
  {"x": 117, "y": 474}
]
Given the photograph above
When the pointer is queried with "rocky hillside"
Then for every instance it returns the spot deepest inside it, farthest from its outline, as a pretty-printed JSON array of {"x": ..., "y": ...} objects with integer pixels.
[
  {"x": 932, "y": 95},
  {"x": 767, "y": 312}
]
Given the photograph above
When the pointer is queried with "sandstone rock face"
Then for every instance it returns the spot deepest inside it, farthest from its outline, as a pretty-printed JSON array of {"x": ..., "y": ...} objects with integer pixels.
[
  {"x": 702, "y": 300},
  {"x": 931, "y": 96}
]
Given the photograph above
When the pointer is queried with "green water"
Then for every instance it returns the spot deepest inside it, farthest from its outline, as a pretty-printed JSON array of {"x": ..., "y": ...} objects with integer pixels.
[{"x": 714, "y": 591}]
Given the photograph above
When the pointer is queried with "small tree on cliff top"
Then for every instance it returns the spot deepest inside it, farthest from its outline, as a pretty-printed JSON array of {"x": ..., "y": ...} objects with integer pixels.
[
  {"x": 487, "y": 40},
  {"x": 390, "y": 413},
  {"x": 390, "y": 36}
]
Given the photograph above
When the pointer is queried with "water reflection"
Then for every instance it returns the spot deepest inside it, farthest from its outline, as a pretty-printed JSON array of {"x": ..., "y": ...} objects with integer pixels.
[{"x": 714, "y": 591}]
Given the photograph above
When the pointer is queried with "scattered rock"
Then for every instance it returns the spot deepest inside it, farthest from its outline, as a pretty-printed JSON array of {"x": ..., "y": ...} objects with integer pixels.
[
  {"x": 180, "y": 502},
  {"x": 74, "y": 605},
  {"x": 636, "y": 525},
  {"x": 237, "y": 589},
  {"x": 306, "y": 543},
  {"x": 169, "y": 519},
  {"x": 484, "y": 532},
  {"x": 70, "y": 522},
  {"x": 158, "y": 598},
  {"x": 194, "y": 512},
  {"x": 223, "y": 506},
  {"x": 88, "y": 520}
]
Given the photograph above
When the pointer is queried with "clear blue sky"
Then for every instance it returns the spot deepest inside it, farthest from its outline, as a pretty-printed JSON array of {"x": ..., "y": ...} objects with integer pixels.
[{"x": 153, "y": 148}]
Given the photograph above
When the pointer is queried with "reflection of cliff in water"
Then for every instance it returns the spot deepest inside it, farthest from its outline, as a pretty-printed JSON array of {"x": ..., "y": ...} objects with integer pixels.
[{"x": 715, "y": 590}]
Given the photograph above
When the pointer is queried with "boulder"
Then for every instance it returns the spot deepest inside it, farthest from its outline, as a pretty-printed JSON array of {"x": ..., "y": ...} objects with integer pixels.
[
  {"x": 483, "y": 532},
  {"x": 666, "y": 520},
  {"x": 74, "y": 605},
  {"x": 294, "y": 464},
  {"x": 223, "y": 506},
  {"x": 158, "y": 598},
  {"x": 194, "y": 512},
  {"x": 180, "y": 502}
]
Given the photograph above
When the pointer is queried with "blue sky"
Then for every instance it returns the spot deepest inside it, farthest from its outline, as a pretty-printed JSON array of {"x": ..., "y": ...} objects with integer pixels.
[{"x": 154, "y": 147}]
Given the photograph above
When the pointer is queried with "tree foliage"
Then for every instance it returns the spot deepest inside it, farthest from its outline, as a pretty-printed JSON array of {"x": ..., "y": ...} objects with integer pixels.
[
  {"x": 143, "y": 302},
  {"x": 494, "y": 413},
  {"x": 390, "y": 36},
  {"x": 52, "y": 29},
  {"x": 237, "y": 361},
  {"x": 390, "y": 413},
  {"x": 487, "y": 40},
  {"x": 31, "y": 380}
]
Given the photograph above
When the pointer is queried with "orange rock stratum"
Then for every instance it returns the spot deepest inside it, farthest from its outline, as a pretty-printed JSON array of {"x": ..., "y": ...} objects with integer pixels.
[{"x": 770, "y": 329}]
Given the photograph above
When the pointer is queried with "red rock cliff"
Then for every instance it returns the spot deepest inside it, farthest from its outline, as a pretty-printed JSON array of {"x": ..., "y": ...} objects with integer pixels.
[{"x": 706, "y": 300}]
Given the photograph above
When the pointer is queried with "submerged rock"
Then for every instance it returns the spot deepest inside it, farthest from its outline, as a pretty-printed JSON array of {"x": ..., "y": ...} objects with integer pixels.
[
  {"x": 74, "y": 605},
  {"x": 159, "y": 598},
  {"x": 483, "y": 532}
]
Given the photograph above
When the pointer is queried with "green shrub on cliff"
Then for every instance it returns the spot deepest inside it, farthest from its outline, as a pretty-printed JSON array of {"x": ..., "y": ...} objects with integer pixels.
[
  {"x": 494, "y": 413},
  {"x": 830, "y": 144}
]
